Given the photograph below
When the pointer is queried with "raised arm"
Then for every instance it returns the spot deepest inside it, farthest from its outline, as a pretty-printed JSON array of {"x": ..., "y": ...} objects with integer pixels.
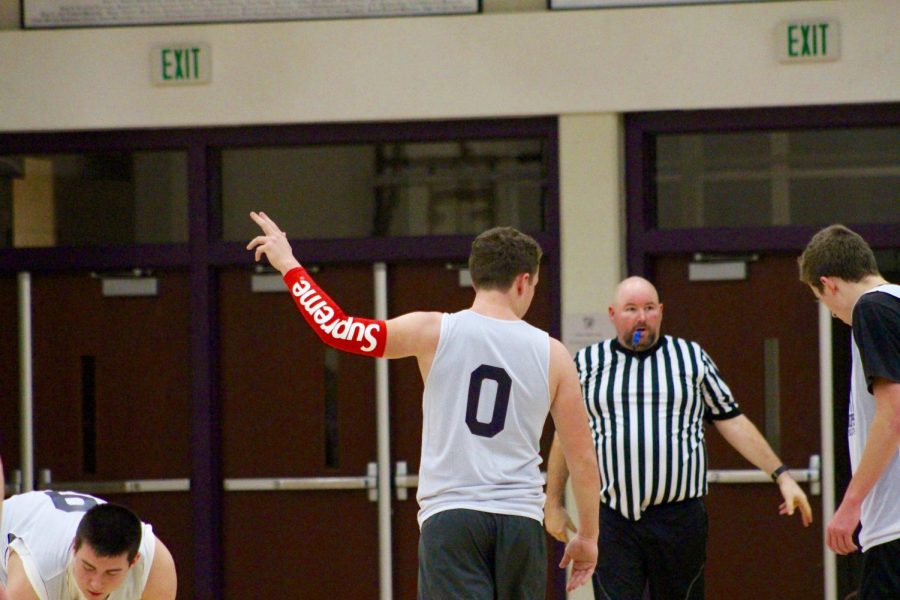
[
  {"x": 413, "y": 334},
  {"x": 744, "y": 437},
  {"x": 571, "y": 421}
]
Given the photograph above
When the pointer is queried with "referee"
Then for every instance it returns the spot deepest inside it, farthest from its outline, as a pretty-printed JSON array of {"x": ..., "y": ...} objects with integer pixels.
[{"x": 647, "y": 397}]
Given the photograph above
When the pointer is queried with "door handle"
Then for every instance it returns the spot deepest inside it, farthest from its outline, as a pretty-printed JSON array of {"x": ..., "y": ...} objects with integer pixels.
[
  {"x": 811, "y": 475},
  {"x": 368, "y": 482},
  {"x": 403, "y": 480},
  {"x": 130, "y": 486}
]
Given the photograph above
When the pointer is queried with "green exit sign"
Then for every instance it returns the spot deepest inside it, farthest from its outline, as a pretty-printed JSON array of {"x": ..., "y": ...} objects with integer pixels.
[
  {"x": 181, "y": 64},
  {"x": 805, "y": 41}
]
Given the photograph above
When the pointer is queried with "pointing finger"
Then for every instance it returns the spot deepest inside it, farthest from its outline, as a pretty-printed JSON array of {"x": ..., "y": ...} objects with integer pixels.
[{"x": 266, "y": 224}]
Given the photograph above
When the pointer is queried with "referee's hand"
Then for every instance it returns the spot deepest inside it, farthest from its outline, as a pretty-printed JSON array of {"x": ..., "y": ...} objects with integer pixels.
[
  {"x": 794, "y": 498},
  {"x": 581, "y": 552}
]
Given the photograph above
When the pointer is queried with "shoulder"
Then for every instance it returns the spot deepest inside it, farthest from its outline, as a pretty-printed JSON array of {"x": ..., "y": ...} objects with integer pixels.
[
  {"x": 674, "y": 340},
  {"x": 162, "y": 582},
  {"x": 413, "y": 334},
  {"x": 680, "y": 350},
  {"x": 420, "y": 317},
  {"x": 880, "y": 302},
  {"x": 673, "y": 343},
  {"x": 683, "y": 343},
  {"x": 18, "y": 585},
  {"x": 558, "y": 350},
  {"x": 561, "y": 363},
  {"x": 877, "y": 313},
  {"x": 593, "y": 349}
]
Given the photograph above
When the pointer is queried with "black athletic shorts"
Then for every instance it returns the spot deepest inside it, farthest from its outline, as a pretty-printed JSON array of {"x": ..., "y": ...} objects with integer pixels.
[
  {"x": 469, "y": 554},
  {"x": 664, "y": 550},
  {"x": 880, "y": 579}
]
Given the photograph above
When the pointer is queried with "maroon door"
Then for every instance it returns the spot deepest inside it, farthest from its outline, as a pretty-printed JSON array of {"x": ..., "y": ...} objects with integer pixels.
[
  {"x": 9, "y": 374},
  {"x": 434, "y": 286},
  {"x": 294, "y": 408},
  {"x": 112, "y": 395},
  {"x": 753, "y": 552}
]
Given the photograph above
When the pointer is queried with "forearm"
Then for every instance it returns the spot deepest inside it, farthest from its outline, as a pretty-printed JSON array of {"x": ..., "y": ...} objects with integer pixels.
[
  {"x": 328, "y": 321},
  {"x": 744, "y": 437},
  {"x": 585, "y": 476},
  {"x": 557, "y": 474}
]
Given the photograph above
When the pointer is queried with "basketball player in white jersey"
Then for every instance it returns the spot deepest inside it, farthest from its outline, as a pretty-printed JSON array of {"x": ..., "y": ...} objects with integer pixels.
[
  {"x": 490, "y": 379},
  {"x": 840, "y": 268},
  {"x": 70, "y": 546}
]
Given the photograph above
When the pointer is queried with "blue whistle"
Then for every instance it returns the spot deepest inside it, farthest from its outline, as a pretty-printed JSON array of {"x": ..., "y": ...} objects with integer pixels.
[{"x": 636, "y": 338}]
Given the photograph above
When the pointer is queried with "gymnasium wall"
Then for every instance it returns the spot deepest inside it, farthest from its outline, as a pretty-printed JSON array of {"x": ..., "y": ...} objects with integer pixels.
[{"x": 586, "y": 66}]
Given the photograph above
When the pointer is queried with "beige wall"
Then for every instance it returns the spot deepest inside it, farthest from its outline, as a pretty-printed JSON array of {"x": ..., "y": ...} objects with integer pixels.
[
  {"x": 585, "y": 66},
  {"x": 591, "y": 210},
  {"x": 591, "y": 221},
  {"x": 591, "y": 228},
  {"x": 498, "y": 64}
]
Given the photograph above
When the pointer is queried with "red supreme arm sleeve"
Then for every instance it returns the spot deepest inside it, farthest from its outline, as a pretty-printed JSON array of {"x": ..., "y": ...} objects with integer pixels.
[{"x": 350, "y": 334}]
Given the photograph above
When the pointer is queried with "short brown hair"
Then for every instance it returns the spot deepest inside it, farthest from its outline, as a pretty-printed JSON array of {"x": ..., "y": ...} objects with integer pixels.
[
  {"x": 499, "y": 255},
  {"x": 110, "y": 530},
  {"x": 836, "y": 251}
]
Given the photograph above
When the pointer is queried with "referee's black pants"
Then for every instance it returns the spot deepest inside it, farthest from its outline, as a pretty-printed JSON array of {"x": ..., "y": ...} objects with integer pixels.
[{"x": 665, "y": 551}]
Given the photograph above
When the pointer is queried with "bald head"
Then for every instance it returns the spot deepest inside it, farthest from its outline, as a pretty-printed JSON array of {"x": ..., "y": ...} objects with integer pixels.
[
  {"x": 634, "y": 287},
  {"x": 636, "y": 313}
]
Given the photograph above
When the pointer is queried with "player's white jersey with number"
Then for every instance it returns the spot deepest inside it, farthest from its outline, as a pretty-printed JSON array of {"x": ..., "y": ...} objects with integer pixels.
[
  {"x": 40, "y": 528},
  {"x": 484, "y": 406}
]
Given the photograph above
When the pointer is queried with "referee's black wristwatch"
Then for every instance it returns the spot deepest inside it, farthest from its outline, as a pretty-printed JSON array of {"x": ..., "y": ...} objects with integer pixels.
[{"x": 778, "y": 472}]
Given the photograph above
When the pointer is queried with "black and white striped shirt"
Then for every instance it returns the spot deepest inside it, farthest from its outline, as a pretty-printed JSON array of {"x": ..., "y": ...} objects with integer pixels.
[{"x": 646, "y": 411}]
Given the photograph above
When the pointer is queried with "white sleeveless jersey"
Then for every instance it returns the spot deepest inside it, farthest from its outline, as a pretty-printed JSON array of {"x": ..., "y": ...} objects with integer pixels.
[
  {"x": 40, "y": 528},
  {"x": 485, "y": 403},
  {"x": 880, "y": 511}
]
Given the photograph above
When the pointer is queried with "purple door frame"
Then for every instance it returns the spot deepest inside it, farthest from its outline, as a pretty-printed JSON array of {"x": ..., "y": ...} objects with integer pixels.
[{"x": 645, "y": 240}]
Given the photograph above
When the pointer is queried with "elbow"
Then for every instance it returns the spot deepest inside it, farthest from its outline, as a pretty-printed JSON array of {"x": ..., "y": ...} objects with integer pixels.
[{"x": 895, "y": 427}]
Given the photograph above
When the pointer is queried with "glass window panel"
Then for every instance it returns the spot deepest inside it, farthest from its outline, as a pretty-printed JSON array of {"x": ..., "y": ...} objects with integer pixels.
[
  {"x": 670, "y": 208},
  {"x": 846, "y": 200},
  {"x": 745, "y": 149},
  {"x": 846, "y": 147},
  {"x": 392, "y": 189},
  {"x": 736, "y": 204},
  {"x": 805, "y": 177},
  {"x": 313, "y": 192},
  {"x": 97, "y": 198}
]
